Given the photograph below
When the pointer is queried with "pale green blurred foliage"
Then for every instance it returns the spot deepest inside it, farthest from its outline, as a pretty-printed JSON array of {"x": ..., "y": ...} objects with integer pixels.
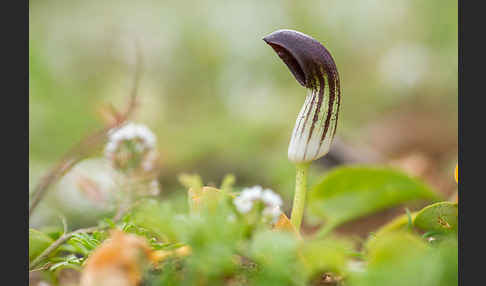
[
  {"x": 402, "y": 259},
  {"x": 215, "y": 95}
]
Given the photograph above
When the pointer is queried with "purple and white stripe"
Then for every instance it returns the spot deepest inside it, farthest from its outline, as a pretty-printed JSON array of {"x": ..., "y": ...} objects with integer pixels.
[{"x": 314, "y": 68}]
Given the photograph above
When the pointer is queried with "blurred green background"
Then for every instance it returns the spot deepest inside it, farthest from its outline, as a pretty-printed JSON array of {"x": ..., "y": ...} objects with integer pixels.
[{"x": 221, "y": 101}]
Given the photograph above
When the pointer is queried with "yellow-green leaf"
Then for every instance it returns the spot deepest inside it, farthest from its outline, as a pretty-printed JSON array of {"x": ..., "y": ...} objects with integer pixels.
[
  {"x": 352, "y": 192},
  {"x": 439, "y": 217},
  {"x": 38, "y": 242},
  {"x": 329, "y": 255}
]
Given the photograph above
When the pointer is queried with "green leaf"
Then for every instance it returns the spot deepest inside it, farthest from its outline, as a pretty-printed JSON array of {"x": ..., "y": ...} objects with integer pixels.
[
  {"x": 393, "y": 246},
  {"x": 439, "y": 217},
  {"x": 81, "y": 243},
  {"x": 329, "y": 255},
  {"x": 70, "y": 261},
  {"x": 206, "y": 198},
  {"x": 352, "y": 192},
  {"x": 395, "y": 258},
  {"x": 227, "y": 183},
  {"x": 401, "y": 258},
  {"x": 400, "y": 223},
  {"x": 276, "y": 255},
  {"x": 158, "y": 218},
  {"x": 191, "y": 181},
  {"x": 38, "y": 242}
]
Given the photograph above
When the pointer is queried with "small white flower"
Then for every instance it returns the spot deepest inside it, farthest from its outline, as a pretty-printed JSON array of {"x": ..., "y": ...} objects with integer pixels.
[
  {"x": 272, "y": 201},
  {"x": 130, "y": 131},
  {"x": 272, "y": 212},
  {"x": 244, "y": 202},
  {"x": 130, "y": 146},
  {"x": 149, "y": 161},
  {"x": 271, "y": 198}
]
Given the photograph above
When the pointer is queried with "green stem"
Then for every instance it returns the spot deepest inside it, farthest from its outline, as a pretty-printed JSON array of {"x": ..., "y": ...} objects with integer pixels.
[{"x": 299, "y": 196}]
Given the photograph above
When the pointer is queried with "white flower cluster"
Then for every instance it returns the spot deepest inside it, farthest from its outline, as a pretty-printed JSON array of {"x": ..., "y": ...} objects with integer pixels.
[
  {"x": 272, "y": 201},
  {"x": 130, "y": 131}
]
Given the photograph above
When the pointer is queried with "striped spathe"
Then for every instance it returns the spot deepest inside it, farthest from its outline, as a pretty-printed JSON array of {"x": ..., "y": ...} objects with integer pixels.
[{"x": 313, "y": 67}]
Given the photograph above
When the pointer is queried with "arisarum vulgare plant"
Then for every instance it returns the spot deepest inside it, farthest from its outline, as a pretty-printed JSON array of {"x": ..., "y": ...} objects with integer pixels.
[{"x": 313, "y": 67}]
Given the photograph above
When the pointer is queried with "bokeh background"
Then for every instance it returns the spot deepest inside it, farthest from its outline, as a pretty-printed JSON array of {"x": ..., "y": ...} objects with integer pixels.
[{"x": 220, "y": 100}]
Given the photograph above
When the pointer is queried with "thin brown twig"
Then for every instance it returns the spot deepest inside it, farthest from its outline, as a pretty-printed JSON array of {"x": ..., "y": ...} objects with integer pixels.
[
  {"x": 42, "y": 268},
  {"x": 138, "y": 73},
  {"x": 87, "y": 144}
]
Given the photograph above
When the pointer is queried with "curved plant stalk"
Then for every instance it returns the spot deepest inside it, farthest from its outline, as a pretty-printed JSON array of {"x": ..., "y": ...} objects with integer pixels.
[
  {"x": 313, "y": 67},
  {"x": 300, "y": 193}
]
